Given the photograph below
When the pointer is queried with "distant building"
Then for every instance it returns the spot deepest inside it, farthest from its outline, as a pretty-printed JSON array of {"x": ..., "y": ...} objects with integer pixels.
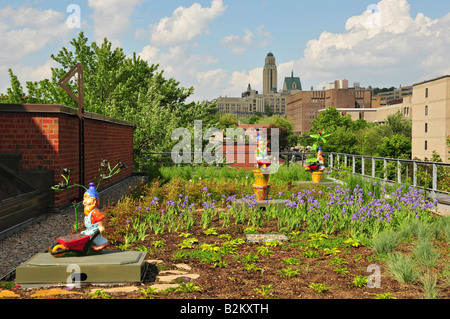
[
  {"x": 391, "y": 97},
  {"x": 270, "y": 101},
  {"x": 304, "y": 106},
  {"x": 431, "y": 118}
]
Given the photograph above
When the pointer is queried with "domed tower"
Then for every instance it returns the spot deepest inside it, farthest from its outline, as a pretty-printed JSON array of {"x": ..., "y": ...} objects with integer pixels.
[{"x": 270, "y": 75}]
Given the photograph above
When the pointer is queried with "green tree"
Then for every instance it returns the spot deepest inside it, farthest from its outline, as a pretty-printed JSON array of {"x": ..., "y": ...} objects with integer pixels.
[
  {"x": 343, "y": 138},
  {"x": 123, "y": 87},
  {"x": 286, "y": 133},
  {"x": 397, "y": 146}
]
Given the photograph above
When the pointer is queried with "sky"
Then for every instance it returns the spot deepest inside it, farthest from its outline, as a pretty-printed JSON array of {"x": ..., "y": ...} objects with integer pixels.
[{"x": 218, "y": 46}]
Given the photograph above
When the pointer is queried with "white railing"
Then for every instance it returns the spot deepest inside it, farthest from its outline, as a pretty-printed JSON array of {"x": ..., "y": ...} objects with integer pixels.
[{"x": 406, "y": 171}]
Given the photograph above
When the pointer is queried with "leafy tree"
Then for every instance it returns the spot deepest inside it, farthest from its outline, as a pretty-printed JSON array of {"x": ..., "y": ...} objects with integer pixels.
[
  {"x": 254, "y": 119},
  {"x": 286, "y": 133},
  {"x": 341, "y": 127},
  {"x": 397, "y": 146},
  {"x": 123, "y": 87}
]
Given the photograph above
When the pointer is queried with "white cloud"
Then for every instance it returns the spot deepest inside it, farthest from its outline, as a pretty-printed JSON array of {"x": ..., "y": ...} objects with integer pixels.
[
  {"x": 26, "y": 30},
  {"x": 185, "y": 24},
  {"x": 385, "y": 44},
  {"x": 239, "y": 45},
  {"x": 112, "y": 18}
]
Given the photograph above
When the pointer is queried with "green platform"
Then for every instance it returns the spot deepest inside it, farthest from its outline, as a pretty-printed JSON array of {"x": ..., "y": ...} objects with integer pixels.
[{"x": 109, "y": 267}]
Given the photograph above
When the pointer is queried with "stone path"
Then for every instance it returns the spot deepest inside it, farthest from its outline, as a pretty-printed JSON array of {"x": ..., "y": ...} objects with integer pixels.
[{"x": 164, "y": 280}]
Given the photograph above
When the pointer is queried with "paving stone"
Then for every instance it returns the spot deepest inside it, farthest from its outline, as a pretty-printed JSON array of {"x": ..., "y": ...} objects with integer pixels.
[
  {"x": 154, "y": 261},
  {"x": 265, "y": 237},
  {"x": 170, "y": 278},
  {"x": 53, "y": 292},
  {"x": 183, "y": 266},
  {"x": 8, "y": 294}
]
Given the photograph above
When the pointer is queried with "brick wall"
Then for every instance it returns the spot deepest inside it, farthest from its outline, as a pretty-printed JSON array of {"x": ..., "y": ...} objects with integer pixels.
[{"x": 47, "y": 138}]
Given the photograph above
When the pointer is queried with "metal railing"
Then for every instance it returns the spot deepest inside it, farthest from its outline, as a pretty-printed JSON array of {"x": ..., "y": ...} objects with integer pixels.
[{"x": 419, "y": 174}]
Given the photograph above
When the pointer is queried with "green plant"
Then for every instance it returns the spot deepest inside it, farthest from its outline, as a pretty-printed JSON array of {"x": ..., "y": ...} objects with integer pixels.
[
  {"x": 158, "y": 243},
  {"x": 428, "y": 283},
  {"x": 188, "y": 243},
  {"x": 401, "y": 268},
  {"x": 99, "y": 294},
  {"x": 425, "y": 254},
  {"x": 341, "y": 270},
  {"x": 148, "y": 292},
  {"x": 288, "y": 272},
  {"x": 251, "y": 257},
  {"x": 265, "y": 290},
  {"x": 386, "y": 241},
  {"x": 386, "y": 295},
  {"x": 319, "y": 287},
  {"x": 188, "y": 287},
  {"x": 209, "y": 247},
  {"x": 273, "y": 243},
  {"x": 359, "y": 281},
  {"x": 291, "y": 261},
  {"x": 310, "y": 254},
  {"x": 264, "y": 251},
  {"x": 331, "y": 251},
  {"x": 252, "y": 267},
  {"x": 185, "y": 235},
  {"x": 354, "y": 242},
  {"x": 211, "y": 231}
]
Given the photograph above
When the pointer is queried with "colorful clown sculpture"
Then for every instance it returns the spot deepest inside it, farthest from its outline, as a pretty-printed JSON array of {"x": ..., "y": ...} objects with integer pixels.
[
  {"x": 91, "y": 240},
  {"x": 316, "y": 166},
  {"x": 93, "y": 219}
]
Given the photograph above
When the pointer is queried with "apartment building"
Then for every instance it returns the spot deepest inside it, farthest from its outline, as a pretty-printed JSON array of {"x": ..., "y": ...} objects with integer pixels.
[
  {"x": 304, "y": 106},
  {"x": 431, "y": 118}
]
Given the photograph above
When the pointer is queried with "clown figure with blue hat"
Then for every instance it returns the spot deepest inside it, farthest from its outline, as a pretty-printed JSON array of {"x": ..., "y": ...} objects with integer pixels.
[{"x": 93, "y": 219}]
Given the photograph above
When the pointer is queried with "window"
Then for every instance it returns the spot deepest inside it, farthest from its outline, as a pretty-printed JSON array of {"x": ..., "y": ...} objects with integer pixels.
[
  {"x": 426, "y": 92},
  {"x": 426, "y": 109},
  {"x": 426, "y": 145},
  {"x": 426, "y": 127}
]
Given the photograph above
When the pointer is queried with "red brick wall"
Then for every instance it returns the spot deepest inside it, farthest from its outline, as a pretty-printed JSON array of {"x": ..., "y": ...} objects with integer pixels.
[{"x": 49, "y": 140}]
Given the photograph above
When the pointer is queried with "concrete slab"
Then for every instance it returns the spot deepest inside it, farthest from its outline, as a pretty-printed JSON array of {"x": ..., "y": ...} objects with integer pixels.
[
  {"x": 309, "y": 184},
  {"x": 256, "y": 238},
  {"x": 109, "y": 267}
]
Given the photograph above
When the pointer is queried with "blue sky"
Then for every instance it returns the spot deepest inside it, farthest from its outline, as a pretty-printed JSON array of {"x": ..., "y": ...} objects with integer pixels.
[{"x": 219, "y": 46}]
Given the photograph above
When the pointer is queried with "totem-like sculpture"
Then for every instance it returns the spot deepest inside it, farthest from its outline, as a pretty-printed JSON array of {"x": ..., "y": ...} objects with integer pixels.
[
  {"x": 317, "y": 166},
  {"x": 261, "y": 174}
]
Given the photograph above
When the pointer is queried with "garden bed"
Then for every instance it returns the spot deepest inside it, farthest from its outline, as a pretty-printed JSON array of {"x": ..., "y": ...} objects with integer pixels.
[{"x": 337, "y": 238}]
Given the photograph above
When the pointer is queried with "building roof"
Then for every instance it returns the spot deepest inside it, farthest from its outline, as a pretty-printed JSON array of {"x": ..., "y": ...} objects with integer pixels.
[
  {"x": 290, "y": 82},
  {"x": 439, "y": 78}
]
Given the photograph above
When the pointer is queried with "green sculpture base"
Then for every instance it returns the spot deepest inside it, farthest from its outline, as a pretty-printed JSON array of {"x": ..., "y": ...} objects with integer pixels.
[{"x": 109, "y": 267}]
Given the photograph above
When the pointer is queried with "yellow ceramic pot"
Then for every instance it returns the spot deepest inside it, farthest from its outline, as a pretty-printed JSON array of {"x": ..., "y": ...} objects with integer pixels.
[
  {"x": 261, "y": 191},
  {"x": 260, "y": 178},
  {"x": 317, "y": 177}
]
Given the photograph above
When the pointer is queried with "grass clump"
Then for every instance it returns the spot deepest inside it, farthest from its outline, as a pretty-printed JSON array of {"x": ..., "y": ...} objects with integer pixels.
[{"x": 402, "y": 268}]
